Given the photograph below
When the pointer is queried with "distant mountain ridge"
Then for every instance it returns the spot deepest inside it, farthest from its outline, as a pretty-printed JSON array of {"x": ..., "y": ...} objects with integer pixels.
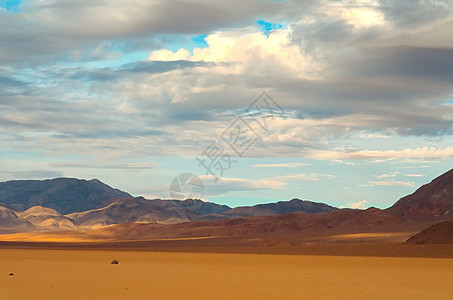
[
  {"x": 68, "y": 204},
  {"x": 270, "y": 209},
  {"x": 65, "y": 195},
  {"x": 141, "y": 210}
]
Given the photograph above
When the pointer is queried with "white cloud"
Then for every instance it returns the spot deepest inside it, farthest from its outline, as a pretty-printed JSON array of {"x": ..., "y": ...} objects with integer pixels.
[
  {"x": 414, "y": 175},
  {"x": 408, "y": 153},
  {"x": 222, "y": 185},
  {"x": 363, "y": 17},
  {"x": 168, "y": 55},
  {"x": 394, "y": 174},
  {"x": 373, "y": 136},
  {"x": 340, "y": 161},
  {"x": 248, "y": 52},
  {"x": 282, "y": 165},
  {"x": 389, "y": 183},
  {"x": 358, "y": 205}
]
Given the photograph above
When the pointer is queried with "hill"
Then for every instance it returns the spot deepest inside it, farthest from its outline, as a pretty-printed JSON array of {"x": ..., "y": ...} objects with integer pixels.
[
  {"x": 10, "y": 222},
  {"x": 432, "y": 201},
  {"x": 441, "y": 233},
  {"x": 46, "y": 219},
  {"x": 133, "y": 210}
]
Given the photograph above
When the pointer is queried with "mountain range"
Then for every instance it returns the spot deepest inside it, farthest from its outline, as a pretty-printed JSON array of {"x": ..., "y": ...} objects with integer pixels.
[
  {"x": 69, "y": 204},
  {"x": 74, "y": 204},
  {"x": 300, "y": 223}
]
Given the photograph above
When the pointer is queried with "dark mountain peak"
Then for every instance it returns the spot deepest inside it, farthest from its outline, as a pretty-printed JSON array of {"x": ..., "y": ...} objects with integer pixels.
[
  {"x": 431, "y": 201},
  {"x": 202, "y": 207},
  {"x": 65, "y": 195},
  {"x": 297, "y": 205},
  {"x": 294, "y": 200},
  {"x": 278, "y": 208},
  {"x": 372, "y": 208}
]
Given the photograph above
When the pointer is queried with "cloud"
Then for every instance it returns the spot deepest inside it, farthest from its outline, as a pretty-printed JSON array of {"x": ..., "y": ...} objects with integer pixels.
[
  {"x": 415, "y": 14},
  {"x": 93, "y": 165},
  {"x": 33, "y": 174},
  {"x": 408, "y": 153},
  {"x": 414, "y": 175},
  {"x": 340, "y": 161},
  {"x": 373, "y": 136},
  {"x": 282, "y": 165},
  {"x": 394, "y": 174},
  {"x": 167, "y": 55},
  {"x": 389, "y": 183},
  {"x": 245, "y": 52},
  {"x": 358, "y": 205},
  {"x": 70, "y": 27},
  {"x": 223, "y": 185}
]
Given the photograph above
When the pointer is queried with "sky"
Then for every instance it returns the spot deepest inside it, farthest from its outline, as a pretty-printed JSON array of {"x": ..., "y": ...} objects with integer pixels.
[{"x": 349, "y": 103}]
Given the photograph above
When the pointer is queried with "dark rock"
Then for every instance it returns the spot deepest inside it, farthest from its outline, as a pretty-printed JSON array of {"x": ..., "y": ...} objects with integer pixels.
[{"x": 114, "y": 262}]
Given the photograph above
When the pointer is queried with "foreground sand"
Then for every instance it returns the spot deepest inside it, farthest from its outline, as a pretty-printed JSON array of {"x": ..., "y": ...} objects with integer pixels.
[{"x": 88, "y": 274}]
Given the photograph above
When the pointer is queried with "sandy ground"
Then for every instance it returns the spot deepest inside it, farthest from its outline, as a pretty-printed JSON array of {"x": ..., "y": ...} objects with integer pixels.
[{"x": 88, "y": 274}]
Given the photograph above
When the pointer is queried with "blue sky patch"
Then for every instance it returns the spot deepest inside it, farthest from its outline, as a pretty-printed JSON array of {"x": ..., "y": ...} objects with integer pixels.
[
  {"x": 267, "y": 27},
  {"x": 200, "y": 41},
  {"x": 176, "y": 42},
  {"x": 10, "y": 5}
]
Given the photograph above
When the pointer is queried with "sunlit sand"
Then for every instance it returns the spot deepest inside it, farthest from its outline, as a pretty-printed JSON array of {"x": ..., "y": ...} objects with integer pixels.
[{"x": 69, "y": 274}]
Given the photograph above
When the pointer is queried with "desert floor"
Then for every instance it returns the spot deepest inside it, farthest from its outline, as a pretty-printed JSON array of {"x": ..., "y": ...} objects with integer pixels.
[{"x": 88, "y": 274}]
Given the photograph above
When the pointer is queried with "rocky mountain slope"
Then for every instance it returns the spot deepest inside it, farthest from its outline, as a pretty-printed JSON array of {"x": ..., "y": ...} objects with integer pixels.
[
  {"x": 65, "y": 195},
  {"x": 432, "y": 201},
  {"x": 10, "y": 222}
]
